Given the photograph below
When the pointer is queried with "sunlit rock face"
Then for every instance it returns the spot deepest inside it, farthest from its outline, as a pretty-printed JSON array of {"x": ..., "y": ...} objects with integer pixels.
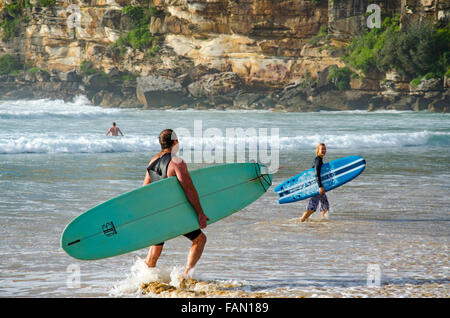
[
  {"x": 261, "y": 41},
  {"x": 210, "y": 48}
]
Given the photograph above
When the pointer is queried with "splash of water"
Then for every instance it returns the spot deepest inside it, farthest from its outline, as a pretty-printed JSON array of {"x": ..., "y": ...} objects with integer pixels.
[{"x": 170, "y": 282}]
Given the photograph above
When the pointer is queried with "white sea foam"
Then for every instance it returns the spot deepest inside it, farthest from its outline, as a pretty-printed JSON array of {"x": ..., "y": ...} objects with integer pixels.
[
  {"x": 81, "y": 144},
  {"x": 49, "y": 109},
  {"x": 141, "y": 274},
  {"x": 101, "y": 144},
  {"x": 363, "y": 140}
]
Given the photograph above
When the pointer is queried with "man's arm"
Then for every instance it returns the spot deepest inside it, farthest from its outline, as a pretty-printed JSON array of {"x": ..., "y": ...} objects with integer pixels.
[
  {"x": 120, "y": 131},
  {"x": 186, "y": 183},
  {"x": 147, "y": 179},
  {"x": 318, "y": 169},
  {"x": 109, "y": 130}
]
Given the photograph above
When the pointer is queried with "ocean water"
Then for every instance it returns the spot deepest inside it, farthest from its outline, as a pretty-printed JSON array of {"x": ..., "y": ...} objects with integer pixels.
[{"x": 386, "y": 235}]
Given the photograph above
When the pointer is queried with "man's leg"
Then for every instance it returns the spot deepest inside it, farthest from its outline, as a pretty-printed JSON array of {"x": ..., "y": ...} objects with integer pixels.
[
  {"x": 153, "y": 255},
  {"x": 312, "y": 207},
  {"x": 198, "y": 244},
  {"x": 324, "y": 205},
  {"x": 306, "y": 215}
]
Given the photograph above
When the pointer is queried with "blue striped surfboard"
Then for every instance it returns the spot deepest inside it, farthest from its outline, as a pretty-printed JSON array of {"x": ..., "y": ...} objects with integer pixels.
[{"x": 334, "y": 174}]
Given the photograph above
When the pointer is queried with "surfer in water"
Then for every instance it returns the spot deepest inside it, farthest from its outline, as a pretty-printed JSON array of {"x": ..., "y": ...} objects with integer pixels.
[
  {"x": 164, "y": 165},
  {"x": 114, "y": 130},
  {"x": 313, "y": 203}
]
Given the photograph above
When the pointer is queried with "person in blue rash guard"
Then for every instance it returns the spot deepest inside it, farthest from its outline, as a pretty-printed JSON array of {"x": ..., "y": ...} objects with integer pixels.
[{"x": 313, "y": 203}]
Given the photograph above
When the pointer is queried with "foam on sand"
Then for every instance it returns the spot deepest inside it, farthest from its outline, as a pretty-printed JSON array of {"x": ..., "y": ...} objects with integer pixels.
[{"x": 169, "y": 282}]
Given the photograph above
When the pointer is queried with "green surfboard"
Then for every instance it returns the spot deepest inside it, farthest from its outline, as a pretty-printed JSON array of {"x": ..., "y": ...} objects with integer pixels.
[{"x": 160, "y": 211}]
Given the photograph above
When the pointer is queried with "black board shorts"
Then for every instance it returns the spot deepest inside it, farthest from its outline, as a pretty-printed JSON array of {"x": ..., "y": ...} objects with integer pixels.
[{"x": 191, "y": 235}]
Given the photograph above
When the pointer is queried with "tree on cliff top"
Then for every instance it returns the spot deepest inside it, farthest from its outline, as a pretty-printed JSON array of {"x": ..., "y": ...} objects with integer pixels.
[
  {"x": 413, "y": 51},
  {"x": 417, "y": 50},
  {"x": 362, "y": 51}
]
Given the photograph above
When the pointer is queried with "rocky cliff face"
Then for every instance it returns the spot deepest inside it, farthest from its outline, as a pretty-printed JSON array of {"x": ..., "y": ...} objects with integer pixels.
[
  {"x": 226, "y": 53},
  {"x": 261, "y": 41}
]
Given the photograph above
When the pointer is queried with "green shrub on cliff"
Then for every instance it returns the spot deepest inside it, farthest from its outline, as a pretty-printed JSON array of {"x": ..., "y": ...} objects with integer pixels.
[
  {"x": 322, "y": 35},
  {"x": 362, "y": 51},
  {"x": 117, "y": 77},
  {"x": 152, "y": 51},
  {"x": 413, "y": 51},
  {"x": 87, "y": 68},
  {"x": 12, "y": 17},
  {"x": 9, "y": 65},
  {"x": 340, "y": 77},
  {"x": 10, "y": 28},
  {"x": 139, "y": 37},
  {"x": 415, "y": 82},
  {"x": 47, "y": 3},
  {"x": 417, "y": 50}
]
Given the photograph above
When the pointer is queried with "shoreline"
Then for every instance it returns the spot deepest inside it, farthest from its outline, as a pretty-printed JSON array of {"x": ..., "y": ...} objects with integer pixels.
[
  {"x": 193, "y": 108},
  {"x": 105, "y": 90}
]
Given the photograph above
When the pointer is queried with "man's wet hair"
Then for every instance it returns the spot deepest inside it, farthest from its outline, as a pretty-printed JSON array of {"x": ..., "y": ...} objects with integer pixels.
[{"x": 167, "y": 138}]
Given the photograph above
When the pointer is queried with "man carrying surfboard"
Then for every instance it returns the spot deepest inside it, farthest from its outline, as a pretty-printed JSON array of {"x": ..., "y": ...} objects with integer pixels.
[
  {"x": 313, "y": 203},
  {"x": 164, "y": 165}
]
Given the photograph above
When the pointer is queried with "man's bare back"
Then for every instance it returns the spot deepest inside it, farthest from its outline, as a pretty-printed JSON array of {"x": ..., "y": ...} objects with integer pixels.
[{"x": 114, "y": 130}]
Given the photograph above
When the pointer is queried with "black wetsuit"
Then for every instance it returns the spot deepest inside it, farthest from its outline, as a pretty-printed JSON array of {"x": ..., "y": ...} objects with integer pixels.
[
  {"x": 322, "y": 198},
  {"x": 318, "y": 162},
  {"x": 157, "y": 171}
]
